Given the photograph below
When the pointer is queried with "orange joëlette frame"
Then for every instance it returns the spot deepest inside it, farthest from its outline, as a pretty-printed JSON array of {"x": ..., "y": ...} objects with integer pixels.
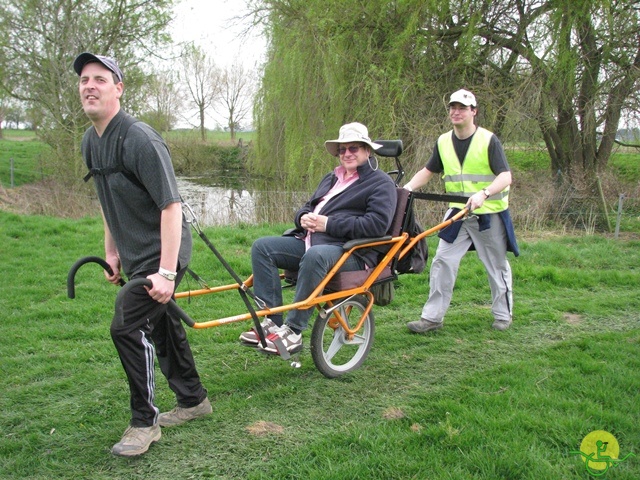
[{"x": 319, "y": 296}]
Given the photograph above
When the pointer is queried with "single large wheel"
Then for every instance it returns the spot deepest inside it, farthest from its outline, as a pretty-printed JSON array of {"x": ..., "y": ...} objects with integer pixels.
[{"x": 333, "y": 352}]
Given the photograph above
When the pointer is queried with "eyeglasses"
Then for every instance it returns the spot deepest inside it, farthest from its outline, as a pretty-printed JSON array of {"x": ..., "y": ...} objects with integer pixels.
[
  {"x": 456, "y": 108},
  {"x": 352, "y": 149}
]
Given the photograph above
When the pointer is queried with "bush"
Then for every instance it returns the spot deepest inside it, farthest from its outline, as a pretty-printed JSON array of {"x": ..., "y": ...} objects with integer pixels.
[{"x": 205, "y": 159}]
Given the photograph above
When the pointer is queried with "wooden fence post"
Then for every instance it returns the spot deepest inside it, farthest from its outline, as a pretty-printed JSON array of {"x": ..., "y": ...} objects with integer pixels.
[{"x": 620, "y": 198}]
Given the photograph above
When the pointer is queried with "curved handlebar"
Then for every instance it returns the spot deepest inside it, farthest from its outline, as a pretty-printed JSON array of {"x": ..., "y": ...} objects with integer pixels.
[
  {"x": 71, "y": 277},
  {"x": 173, "y": 306},
  {"x": 71, "y": 290}
]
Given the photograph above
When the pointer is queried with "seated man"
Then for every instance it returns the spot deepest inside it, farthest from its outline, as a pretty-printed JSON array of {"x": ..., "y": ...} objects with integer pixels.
[{"x": 356, "y": 200}]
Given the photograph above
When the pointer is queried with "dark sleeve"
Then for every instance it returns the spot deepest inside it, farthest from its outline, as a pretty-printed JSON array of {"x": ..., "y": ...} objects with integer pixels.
[
  {"x": 376, "y": 218},
  {"x": 146, "y": 155},
  {"x": 302, "y": 211},
  {"x": 323, "y": 187},
  {"x": 497, "y": 157},
  {"x": 435, "y": 162}
]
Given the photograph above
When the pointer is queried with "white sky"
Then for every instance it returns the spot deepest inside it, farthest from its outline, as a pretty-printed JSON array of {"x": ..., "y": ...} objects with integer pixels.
[{"x": 210, "y": 24}]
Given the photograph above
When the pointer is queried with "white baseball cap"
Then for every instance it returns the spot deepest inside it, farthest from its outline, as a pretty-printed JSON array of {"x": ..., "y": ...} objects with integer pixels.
[{"x": 465, "y": 97}]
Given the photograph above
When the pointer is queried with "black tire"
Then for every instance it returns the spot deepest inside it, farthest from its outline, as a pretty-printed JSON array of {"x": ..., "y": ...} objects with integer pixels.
[{"x": 332, "y": 353}]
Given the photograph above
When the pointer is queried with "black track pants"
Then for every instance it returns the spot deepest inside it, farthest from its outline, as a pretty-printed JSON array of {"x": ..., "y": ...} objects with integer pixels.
[{"x": 145, "y": 331}]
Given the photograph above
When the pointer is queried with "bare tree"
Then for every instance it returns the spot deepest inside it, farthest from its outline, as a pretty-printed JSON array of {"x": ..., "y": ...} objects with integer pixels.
[
  {"x": 237, "y": 87},
  {"x": 201, "y": 79},
  {"x": 165, "y": 100}
]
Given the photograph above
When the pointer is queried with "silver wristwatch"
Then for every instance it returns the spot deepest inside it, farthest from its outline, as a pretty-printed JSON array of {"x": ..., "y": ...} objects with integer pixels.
[{"x": 171, "y": 276}]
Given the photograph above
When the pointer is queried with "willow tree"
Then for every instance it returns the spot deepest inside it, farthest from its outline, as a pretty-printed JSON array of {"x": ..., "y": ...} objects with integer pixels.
[
  {"x": 325, "y": 68},
  {"x": 580, "y": 62},
  {"x": 569, "y": 68},
  {"x": 39, "y": 40}
]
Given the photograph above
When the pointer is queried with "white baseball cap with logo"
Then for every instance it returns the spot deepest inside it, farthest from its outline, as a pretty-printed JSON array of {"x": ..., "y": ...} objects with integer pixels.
[{"x": 465, "y": 97}]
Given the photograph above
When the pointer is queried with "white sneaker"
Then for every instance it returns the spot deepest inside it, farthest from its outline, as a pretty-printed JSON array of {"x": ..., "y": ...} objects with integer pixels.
[
  {"x": 285, "y": 337},
  {"x": 251, "y": 337}
]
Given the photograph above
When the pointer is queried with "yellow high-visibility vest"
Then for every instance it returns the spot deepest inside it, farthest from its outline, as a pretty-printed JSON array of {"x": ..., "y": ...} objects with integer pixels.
[{"x": 474, "y": 174}]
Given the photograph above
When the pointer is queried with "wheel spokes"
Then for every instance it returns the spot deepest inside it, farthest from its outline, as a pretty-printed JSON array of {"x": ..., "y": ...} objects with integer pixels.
[{"x": 336, "y": 344}]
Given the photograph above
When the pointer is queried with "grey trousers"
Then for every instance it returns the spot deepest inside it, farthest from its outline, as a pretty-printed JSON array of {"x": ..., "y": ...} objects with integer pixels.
[{"x": 491, "y": 246}]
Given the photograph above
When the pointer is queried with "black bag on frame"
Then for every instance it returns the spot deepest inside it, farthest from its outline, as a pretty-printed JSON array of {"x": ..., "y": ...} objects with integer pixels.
[{"x": 416, "y": 259}]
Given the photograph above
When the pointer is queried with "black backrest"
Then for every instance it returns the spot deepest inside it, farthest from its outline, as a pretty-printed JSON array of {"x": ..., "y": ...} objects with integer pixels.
[
  {"x": 392, "y": 148},
  {"x": 399, "y": 218}
]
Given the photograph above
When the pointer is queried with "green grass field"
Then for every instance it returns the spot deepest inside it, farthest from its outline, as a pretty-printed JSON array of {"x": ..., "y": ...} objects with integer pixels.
[
  {"x": 32, "y": 159},
  {"x": 465, "y": 402},
  {"x": 28, "y": 154}
]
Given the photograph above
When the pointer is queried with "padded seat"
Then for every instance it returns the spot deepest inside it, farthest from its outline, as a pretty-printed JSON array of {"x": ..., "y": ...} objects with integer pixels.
[{"x": 346, "y": 280}]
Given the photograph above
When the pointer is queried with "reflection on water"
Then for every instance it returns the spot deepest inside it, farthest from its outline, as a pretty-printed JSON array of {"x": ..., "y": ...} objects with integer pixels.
[{"x": 216, "y": 205}]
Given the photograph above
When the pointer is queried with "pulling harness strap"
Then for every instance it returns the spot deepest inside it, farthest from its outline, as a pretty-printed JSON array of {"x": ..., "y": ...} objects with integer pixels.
[
  {"x": 197, "y": 278},
  {"x": 244, "y": 291},
  {"x": 125, "y": 124}
]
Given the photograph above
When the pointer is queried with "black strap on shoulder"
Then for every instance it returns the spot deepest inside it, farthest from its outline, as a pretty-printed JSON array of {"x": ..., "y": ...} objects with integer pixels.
[{"x": 125, "y": 124}]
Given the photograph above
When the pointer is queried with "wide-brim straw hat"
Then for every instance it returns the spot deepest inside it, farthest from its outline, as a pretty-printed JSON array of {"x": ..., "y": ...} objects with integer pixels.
[{"x": 349, "y": 133}]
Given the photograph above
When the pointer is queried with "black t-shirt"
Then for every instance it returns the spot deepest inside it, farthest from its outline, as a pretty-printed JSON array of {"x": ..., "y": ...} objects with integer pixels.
[{"x": 132, "y": 201}]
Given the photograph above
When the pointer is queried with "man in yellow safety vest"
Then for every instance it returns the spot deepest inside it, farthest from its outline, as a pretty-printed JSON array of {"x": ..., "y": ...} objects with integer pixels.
[{"x": 474, "y": 165}]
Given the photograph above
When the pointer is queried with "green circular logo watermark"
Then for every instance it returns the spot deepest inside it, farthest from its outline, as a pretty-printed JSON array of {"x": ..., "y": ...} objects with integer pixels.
[{"x": 600, "y": 451}]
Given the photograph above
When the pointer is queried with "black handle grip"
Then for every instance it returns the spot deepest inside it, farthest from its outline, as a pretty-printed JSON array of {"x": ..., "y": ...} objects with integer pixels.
[
  {"x": 173, "y": 306},
  {"x": 71, "y": 277}
]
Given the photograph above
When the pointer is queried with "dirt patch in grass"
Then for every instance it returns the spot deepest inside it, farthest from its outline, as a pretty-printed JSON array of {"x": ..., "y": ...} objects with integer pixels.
[
  {"x": 393, "y": 413},
  {"x": 572, "y": 318},
  {"x": 262, "y": 428}
]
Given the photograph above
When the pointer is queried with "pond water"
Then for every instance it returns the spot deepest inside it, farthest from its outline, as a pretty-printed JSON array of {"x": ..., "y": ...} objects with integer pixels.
[{"x": 216, "y": 205}]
